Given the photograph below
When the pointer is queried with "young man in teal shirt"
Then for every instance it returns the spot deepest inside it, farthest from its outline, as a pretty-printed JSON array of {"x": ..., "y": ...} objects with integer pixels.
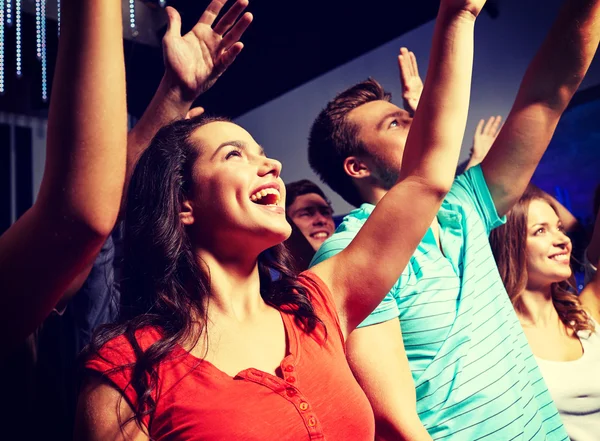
[{"x": 456, "y": 365}]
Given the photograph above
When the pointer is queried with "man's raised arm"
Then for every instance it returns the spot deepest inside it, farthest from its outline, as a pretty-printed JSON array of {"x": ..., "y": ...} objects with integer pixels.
[{"x": 549, "y": 84}]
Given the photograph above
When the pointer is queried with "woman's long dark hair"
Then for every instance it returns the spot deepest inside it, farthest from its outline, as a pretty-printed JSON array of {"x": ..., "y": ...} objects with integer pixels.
[
  {"x": 509, "y": 246},
  {"x": 163, "y": 285}
]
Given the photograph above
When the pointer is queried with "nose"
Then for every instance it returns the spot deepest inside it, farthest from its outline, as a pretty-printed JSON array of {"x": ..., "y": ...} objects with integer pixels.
[
  {"x": 270, "y": 166},
  {"x": 320, "y": 219},
  {"x": 561, "y": 239}
]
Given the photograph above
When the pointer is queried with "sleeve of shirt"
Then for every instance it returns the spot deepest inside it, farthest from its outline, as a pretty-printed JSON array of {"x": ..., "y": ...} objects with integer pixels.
[
  {"x": 114, "y": 362},
  {"x": 470, "y": 190},
  {"x": 333, "y": 246},
  {"x": 386, "y": 310}
]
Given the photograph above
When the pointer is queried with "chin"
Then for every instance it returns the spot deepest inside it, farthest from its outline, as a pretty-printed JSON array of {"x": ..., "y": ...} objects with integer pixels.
[{"x": 275, "y": 236}]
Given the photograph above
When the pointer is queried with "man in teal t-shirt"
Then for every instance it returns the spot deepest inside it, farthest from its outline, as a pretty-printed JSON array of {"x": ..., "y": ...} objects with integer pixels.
[{"x": 444, "y": 355}]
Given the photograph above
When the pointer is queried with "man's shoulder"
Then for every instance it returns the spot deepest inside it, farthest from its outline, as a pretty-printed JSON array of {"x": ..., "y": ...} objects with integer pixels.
[{"x": 343, "y": 235}]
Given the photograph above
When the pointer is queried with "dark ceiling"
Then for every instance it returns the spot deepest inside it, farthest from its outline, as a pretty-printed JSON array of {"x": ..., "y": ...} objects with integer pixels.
[{"x": 288, "y": 44}]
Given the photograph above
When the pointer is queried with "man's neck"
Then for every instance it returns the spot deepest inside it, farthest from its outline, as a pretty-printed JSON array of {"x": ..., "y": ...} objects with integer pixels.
[{"x": 373, "y": 195}]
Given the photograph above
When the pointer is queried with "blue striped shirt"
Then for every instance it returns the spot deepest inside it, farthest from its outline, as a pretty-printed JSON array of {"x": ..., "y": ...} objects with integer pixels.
[{"x": 475, "y": 376}]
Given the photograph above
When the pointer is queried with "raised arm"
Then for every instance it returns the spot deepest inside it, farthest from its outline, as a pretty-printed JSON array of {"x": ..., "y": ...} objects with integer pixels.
[
  {"x": 193, "y": 63},
  {"x": 364, "y": 272},
  {"x": 548, "y": 86},
  {"x": 81, "y": 189}
]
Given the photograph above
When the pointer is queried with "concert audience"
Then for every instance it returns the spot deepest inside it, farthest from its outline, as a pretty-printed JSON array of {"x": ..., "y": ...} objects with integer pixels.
[
  {"x": 444, "y": 356},
  {"x": 203, "y": 226},
  {"x": 533, "y": 254}
]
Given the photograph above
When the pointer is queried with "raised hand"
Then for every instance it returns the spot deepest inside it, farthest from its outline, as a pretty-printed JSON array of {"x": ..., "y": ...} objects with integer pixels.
[
  {"x": 412, "y": 85},
  {"x": 194, "y": 61},
  {"x": 485, "y": 136}
]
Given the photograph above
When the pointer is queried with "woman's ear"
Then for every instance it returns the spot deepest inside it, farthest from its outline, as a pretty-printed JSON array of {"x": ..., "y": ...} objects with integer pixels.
[{"x": 186, "y": 216}]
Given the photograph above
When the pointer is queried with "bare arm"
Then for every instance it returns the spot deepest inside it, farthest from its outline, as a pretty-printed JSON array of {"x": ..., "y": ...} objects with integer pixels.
[
  {"x": 548, "y": 86},
  {"x": 193, "y": 63},
  {"x": 432, "y": 148},
  {"x": 79, "y": 197},
  {"x": 386, "y": 380},
  {"x": 100, "y": 408}
]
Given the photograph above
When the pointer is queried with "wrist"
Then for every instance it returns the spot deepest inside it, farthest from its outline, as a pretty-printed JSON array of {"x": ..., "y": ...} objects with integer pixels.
[
  {"x": 451, "y": 12},
  {"x": 173, "y": 96}
]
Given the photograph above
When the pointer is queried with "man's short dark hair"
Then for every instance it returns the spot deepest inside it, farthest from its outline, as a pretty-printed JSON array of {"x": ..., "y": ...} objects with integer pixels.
[
  {"x": 333, "y": 138},
  {"x": 299, "y": 188}
]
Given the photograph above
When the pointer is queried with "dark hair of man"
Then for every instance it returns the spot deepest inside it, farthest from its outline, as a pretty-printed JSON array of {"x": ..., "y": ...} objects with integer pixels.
[
  {"x": 164, "y": 286},
  {"x": 333, "y": 138},
  {"x": 302, "y": 187}
]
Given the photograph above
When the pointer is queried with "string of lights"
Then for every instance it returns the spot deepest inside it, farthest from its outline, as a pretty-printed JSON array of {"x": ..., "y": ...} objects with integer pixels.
[
  {"x": 1, "y": 46},
  {"x": 9, "y": 15},
  {"x": 132, "y": 14},
  {"x": 18, "y": 60},
  {"x": 38, "y": 28},
  {"x": 44, "y": 61}
]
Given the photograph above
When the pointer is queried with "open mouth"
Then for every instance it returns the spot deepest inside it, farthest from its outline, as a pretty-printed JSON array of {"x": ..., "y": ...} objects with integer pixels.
[
  {"x": 562, "y": 257},
  {"x": 266, "y": 196},
  {"x": 320, "y": 235}
]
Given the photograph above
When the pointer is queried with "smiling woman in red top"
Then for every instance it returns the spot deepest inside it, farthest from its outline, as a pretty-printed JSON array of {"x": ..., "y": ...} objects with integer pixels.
[{"x": 209, "y": 346}]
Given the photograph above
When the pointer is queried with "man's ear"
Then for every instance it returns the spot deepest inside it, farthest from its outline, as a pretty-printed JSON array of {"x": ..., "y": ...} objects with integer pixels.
[
  {"x": 186, "y": 216},
  {"x": 356, "y": 167}
]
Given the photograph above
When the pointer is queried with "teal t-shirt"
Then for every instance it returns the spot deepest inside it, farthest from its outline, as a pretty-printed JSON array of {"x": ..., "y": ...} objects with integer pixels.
[{"x": 475, "y": 376}]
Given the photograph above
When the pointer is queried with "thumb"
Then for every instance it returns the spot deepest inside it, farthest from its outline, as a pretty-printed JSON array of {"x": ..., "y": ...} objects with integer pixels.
[
  {"x": 174, "y": 23},
  {"x": 196, "y": 111}
]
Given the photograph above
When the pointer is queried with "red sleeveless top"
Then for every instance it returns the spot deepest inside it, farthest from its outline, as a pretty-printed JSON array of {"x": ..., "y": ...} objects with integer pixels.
[{"x": 317, "y": 398}]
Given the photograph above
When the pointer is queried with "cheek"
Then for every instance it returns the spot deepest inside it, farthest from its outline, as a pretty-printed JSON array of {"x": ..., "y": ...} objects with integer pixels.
[{"x": 302, "y": 223}]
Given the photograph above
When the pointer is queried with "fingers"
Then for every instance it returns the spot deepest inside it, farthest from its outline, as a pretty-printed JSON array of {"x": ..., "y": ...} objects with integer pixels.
[
  {"x": 236, "y": 32},
  {"x": 489, "y": 124},
  {"x": 196, "y": 111},
  {"x": 496, "y": 126},
  {"x": 227, "y": 58},
  {"x": 413, "y": 64},
  {"x": 407, "y": 62},
  {"x": 174, "y": 22},
  {"x": 492, "y": 126},
  {"x": 404, "y": 65},
  {"x": 479, "y": 129},
  {"x": 211, "y": 12},
  {"x": 230, "y": 17}
]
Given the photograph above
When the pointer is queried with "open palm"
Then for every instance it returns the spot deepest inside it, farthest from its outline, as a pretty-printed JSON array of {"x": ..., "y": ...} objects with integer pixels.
[{"x": 197, "y": 59}]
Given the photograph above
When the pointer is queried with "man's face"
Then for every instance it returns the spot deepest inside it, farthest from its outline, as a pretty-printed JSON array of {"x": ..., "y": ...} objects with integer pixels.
[
  {"x": 314, "y": 218},
  {"x": 382, "y": 129}
]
